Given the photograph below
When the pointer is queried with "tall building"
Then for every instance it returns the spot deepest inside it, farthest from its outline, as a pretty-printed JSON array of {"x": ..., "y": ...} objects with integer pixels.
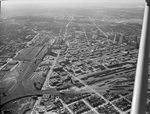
[
  {"x": 122, "y": 39},
  {"x": 134, "y": 38},
  {"x": 111, "y": 36},
  {"x": 116, "y": 38}
]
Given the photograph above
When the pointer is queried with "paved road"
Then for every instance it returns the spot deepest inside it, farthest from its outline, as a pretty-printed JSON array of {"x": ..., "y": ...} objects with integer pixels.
[
  {"x": 46, "y": 83},
  {"x": 68, "y": 25},
  {"x": 93, "y": 90},
  {"x": 28, "y": 93},
  {"x": 21, "y": 85},
  {"x": 97, "y": 27}
]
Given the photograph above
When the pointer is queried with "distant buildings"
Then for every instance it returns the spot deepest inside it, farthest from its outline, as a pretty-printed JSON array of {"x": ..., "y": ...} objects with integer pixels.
[
  {"x": 122, "y": 39},
  {"x": 132, "y": 40},
  {"x": 58, "y": 41},
  {"x": 100, "y": 34}
]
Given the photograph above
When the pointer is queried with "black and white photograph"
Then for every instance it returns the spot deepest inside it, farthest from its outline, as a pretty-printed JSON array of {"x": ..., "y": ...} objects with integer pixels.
[{"x": 74, "y": 57}]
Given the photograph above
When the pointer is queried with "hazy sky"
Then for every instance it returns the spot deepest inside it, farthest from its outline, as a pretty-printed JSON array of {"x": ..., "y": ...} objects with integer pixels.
[
  {"x": 71, "y": 3},
  {"x": 75, "y": 0}
]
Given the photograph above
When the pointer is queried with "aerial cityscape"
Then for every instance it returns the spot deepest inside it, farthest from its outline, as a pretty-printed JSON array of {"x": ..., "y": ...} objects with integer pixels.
[{"x": 69, "y": 60}]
